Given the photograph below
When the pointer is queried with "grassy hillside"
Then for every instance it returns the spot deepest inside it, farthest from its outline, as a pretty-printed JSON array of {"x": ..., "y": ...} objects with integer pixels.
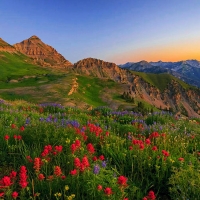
[
  {"x": 55, "y": 88},
  {"x": 160, "y": 80},
  {"x": 90, "y": 89},
  {"x": 16, "y": 65}
]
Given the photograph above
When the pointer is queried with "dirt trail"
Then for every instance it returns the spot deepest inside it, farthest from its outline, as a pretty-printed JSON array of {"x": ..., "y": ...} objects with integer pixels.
[{"x": 74, "y": 86}]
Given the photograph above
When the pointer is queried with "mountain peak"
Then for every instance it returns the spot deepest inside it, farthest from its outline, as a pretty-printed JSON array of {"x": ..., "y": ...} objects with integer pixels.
[
  {"x": 42, "y": 53},
  {"x": 34, "y": 37}
]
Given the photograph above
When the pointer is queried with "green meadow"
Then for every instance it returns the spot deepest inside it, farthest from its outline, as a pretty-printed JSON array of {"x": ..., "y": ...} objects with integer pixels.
[{"x": 49, "y": 151}]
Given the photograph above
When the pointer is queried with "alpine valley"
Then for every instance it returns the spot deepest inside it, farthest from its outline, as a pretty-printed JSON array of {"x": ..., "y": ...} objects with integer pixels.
[{"x": 34, "y": 71}]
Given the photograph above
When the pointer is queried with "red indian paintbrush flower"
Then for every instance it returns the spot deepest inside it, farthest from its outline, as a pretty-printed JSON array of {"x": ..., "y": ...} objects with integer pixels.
[
  {"x": 41, "y": 177},
  {"x": 99, "y": 187},
  {"x": 6, "y": 181},
  {"x": 148, "y": 141},
  {"x": 77, "y": 143},
  {"x": 85, "y": 161},
  {"x": 19, "y": 137},
  {"x": 13, "y": 126},
  {"x": 90, "y": 148},
  {"x": 23, "y": 177},
  {"x": 73, "y": 148},
  {"x": 154, "y": 148},
  {"x": 13, "y": 174},
  {"x": 59, "y": 148},
  {"x": 151, "y": 195},
  {"x": 21, "y": 128},
  {"x": 141, "y": 146},
  {"x": 82, "y": 167},
  {"x": 77, "y": 162},
  {"x": 108, "y": 191},
  {"x": 181, "y": 159},
  {"x": 122, "y": 181},
  {"x": 73, "y": 172},
  {"x": 50, "y": 178},
  {"x": 101, "y": 157},
  {"x": 94, "y": 158},
  {"x": 57, "y": 171},
  {"x": 37, "y": 164},
  {"x": 29, "y": 159},
  {"x": 154, "y": 135},
  {"x": 6, "y": 137},
  {"x": 14, "y": 195},
  {"x": 165, "y": 153}
]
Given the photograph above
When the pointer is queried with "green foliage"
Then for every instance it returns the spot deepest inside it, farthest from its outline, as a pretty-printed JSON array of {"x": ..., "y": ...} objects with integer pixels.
[
  {"x": 128, "y": 97},
  {"x": 184, "y": 183},
  {"x": 102, "y": 110},
  {"x": 157, "y": 118}
]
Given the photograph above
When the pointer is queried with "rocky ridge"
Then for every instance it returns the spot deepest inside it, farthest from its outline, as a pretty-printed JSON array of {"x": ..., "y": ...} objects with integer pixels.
[
  {"x": 100, "y": 69},
  {"x": 4, "y": 46}
]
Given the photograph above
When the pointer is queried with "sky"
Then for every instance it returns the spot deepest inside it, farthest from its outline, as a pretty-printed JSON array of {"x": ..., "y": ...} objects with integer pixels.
[{"x": 116, "y": 31}]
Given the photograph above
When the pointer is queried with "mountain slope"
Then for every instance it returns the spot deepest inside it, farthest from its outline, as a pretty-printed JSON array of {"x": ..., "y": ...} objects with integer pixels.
[
  {"x": 42, "y": 53},
  {"x": 15, "y": 65},
  {"x": 4, "y": 46}
]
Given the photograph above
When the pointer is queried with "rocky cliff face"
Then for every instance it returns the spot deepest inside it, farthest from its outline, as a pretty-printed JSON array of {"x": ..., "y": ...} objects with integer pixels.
[
  {"x": 173, "y": 97},
  {"x": 42, "y": 53},
  {"x": 4, "y": 46}
]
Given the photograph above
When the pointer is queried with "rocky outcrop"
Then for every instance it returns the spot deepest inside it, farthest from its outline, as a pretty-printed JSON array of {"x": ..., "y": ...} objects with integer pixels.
[
  {"x": 101, "y": 69},
  {"x": 42, "y": 53},
  {"x": 4, "y": 46}
]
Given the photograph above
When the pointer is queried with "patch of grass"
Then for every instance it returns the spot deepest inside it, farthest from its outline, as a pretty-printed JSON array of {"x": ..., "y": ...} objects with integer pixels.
[
  {"x": 13, "y": 96},
  {"x": 160, "y": 80},
  {"x": 27, "y": 82},
  {"x": 90, "y": 89},
  {"x": 16, "y": 65}
]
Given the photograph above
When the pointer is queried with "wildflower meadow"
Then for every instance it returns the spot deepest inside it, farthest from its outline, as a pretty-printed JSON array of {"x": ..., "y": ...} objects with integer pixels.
[{"x": 48, "y": 151}]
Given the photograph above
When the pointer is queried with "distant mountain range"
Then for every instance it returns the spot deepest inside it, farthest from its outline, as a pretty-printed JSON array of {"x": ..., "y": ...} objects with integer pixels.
[{"x": 188, "y": 71}]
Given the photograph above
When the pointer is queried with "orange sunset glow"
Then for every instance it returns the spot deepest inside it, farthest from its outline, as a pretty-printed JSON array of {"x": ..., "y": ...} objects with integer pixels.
[{"x": 170, "y": 52}]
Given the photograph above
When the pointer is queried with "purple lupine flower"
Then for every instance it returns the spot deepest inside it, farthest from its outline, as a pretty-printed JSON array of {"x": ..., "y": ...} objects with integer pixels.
[
  {"x": 103, "y": 164},
  {"x": 96, "y": 169}
]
